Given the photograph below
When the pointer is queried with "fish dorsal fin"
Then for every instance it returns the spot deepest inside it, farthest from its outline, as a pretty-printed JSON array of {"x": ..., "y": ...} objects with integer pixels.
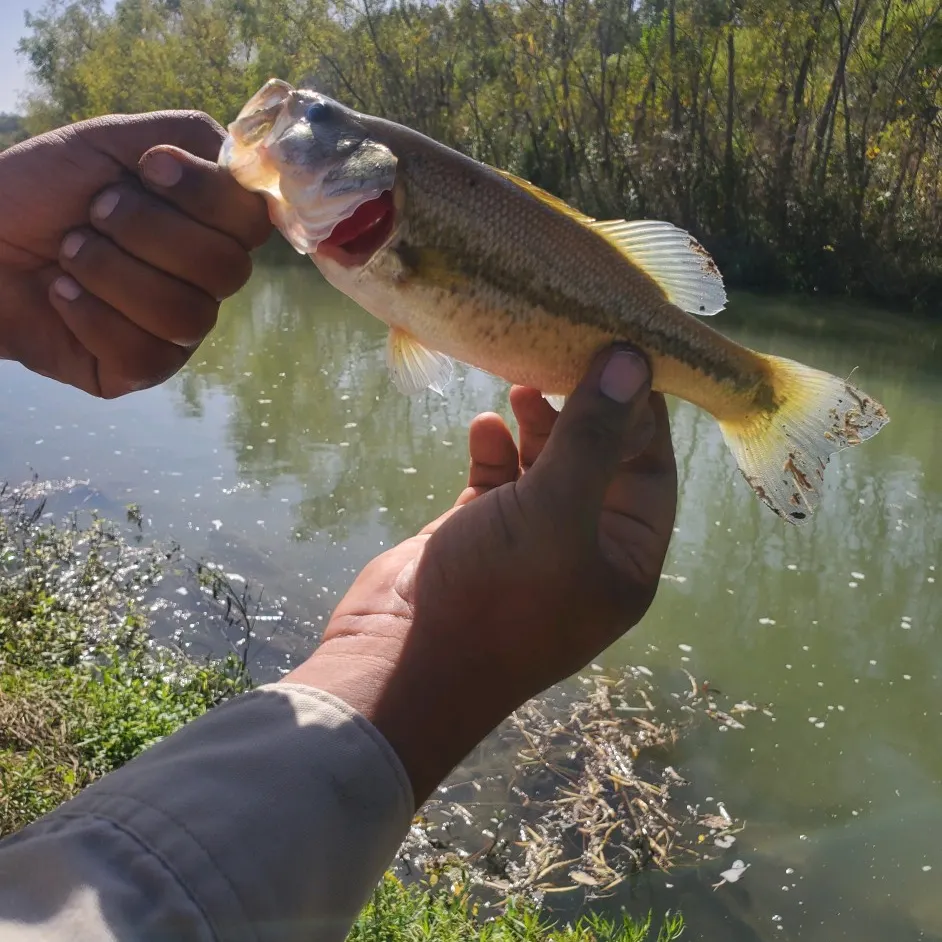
[
  {"x": 671, "y": 257},
  {"x": 554, "y": 202},
  {"x": 414, "y": 367}
]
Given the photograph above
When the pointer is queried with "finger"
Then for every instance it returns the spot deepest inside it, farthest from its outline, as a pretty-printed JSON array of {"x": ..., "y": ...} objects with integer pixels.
[
  {"x": 595, "y": 429},
  {"x": 208, "y": 193},
  {"x": 127, "y": 358},
  {"x": 638, "y": 489},
  {"x": 657, "y": 454},
  {"x": 643, "y": 503},
  {"x": 155, "y": 232},
  {"x": 494, "y": 457},
  {"x": 179, "y": 150},
  {"x": 126, "y": 137},
  {"x": 536, "y": 419},
  {"x": 42, "y": 342},
  {"x": 641, "y": 478},
  {"x": 157, "y": 303}
]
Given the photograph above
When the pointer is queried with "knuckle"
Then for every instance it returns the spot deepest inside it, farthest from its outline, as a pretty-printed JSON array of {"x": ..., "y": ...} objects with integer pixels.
[
  {"x": 142, "y": 367},
  {"x": 260, "y": 227},
  {"x": 195, "y": 316},
  {"x": 204, "y": 126},
  {"x": 193, "y": 131},
  {"x": 218, "y": 271},
  {"x": 234, "y": 275},
  {"x": 115, "y": 387},
  {"x": 594, "y": 435},
  {"x": 218, "y": 264}
]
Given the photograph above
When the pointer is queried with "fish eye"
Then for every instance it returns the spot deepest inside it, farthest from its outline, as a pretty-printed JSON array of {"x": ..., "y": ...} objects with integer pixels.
[{"x": 317, "y": 112}]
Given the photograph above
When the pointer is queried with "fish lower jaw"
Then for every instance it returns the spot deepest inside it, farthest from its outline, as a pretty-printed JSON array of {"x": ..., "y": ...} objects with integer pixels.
[{"x": 355, "y": 240}]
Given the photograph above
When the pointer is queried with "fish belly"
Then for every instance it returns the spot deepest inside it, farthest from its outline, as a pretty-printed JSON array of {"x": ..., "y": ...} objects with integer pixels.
[{"x": 531, "y": 346}]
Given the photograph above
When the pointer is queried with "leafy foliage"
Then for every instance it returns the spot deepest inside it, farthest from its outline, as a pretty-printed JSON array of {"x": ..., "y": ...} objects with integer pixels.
[
  {"x": 802, "y": 142},
  {"x": 12, "y": 130}
]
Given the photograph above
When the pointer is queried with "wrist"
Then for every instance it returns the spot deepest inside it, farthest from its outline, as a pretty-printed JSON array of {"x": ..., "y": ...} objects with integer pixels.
[{"x": 432, "y": 714}]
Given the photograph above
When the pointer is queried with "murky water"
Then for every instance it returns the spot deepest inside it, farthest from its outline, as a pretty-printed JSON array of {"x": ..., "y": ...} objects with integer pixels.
[{"x": 284, "y": 452}]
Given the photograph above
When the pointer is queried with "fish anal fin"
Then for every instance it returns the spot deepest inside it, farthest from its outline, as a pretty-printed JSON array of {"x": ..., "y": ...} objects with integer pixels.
[
  {"x": 782, "y": 454},
  {"x": 556, "y": 401},
  {"x": 414, "y": 367},
  {"x": 673, "y": 258}
]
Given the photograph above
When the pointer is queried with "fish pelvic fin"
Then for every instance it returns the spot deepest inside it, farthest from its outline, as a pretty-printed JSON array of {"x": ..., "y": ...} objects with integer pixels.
[
  {"x": 673, "y": 258},
  {"x": 782, "y": 452},
  {"x": 413, "y": 367}
]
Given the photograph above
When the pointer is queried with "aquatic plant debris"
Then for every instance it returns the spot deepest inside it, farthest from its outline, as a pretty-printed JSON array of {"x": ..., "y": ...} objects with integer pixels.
[
  {"x": 589, "y": 801},
  {"x": 733, "y": 874}
]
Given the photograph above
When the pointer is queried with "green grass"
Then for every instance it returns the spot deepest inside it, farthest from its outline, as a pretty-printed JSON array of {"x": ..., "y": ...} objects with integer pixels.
[
  {"x": 84, "y": 689},
  {"x": 445, "y": 913}
]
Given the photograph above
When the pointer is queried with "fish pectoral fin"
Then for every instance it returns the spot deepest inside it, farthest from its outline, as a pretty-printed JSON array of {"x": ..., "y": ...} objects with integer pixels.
[
  {"x": 671, "y": 257},
  {"x": 557, "y": 402},
  {"x": 414, "y": 367}
]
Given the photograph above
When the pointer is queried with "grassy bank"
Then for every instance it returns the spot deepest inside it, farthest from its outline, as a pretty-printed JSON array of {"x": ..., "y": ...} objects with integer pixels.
[
  {"x": 84, "y": 688},
  {"x": 410, "y": 914}
]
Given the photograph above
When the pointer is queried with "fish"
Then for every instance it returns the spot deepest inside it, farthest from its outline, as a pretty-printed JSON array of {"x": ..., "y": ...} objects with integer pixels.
[{"x": 467, "y": 262}]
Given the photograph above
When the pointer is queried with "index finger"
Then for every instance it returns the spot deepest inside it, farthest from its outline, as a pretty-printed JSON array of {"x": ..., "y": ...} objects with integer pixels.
[
  {"x": 207, "y": 193},
  {"x": 125, "y": 137},
  {"x": 535, "y": 418}
]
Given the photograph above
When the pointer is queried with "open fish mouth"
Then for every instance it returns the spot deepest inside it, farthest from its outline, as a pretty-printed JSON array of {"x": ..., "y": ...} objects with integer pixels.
[
  {"x": 328, "y": 184},
  {"x": 354, "y": 240}
]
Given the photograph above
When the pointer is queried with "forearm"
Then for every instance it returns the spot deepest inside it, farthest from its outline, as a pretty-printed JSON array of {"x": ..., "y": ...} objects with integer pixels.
[{"x": 274, "y": 816}]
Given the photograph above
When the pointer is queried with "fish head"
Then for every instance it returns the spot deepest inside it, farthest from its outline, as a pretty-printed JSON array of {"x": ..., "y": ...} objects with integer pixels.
[{"x": 328, "y": 183}]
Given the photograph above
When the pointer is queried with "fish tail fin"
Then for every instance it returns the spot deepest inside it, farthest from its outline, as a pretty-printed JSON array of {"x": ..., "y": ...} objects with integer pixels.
[{"x": 782, "y": 452}]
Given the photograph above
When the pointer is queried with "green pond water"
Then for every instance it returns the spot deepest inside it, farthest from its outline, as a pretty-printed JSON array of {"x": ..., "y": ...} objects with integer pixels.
[{"x": 284, "y": 453}]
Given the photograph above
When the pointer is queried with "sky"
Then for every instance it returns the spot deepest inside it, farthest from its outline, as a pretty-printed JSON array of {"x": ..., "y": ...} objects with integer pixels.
[{"x": 13, "y": 79}]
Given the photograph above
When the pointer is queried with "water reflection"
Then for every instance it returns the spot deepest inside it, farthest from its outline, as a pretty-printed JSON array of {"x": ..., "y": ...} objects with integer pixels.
[
  {"x": 311, "y": 400},
  {"x": 285, "y": 452}
]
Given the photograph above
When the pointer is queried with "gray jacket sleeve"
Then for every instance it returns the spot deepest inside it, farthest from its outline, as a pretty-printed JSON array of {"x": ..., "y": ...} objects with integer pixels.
[{"x": 269, "y": 819}]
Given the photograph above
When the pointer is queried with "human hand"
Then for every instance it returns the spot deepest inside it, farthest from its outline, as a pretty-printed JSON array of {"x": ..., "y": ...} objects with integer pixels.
[
  {"x": 554, "y": 549},
  {"x": 119, "y": 237}
]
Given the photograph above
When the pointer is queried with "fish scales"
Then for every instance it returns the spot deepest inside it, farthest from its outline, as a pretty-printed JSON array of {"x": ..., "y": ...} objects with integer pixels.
[
  {"x": 464, "y": 261},
  {"x": 470, "y": 234}
]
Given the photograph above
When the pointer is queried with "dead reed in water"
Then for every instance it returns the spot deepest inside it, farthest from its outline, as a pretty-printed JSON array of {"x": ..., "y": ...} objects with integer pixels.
[{"x": 590, "y": 799}]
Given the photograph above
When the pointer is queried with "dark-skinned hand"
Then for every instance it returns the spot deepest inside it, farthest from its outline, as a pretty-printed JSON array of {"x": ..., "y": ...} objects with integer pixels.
[
  {"x": 552, "y": 552},
  {"x": 119, "y": 237}
]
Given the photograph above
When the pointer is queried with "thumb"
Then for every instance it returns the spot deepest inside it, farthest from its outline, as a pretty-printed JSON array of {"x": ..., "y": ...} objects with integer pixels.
[
  {"x": 605, "y": 421},
  {"x": 126, "y": 138}
]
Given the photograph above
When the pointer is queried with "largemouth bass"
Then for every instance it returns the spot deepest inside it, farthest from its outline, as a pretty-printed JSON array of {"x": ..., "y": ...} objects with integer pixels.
[{"x": 467, "y": 262}]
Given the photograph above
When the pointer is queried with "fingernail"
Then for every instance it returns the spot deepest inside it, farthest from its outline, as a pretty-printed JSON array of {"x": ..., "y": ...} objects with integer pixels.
[
  {"x": 67, "y": 288},
  {"x": 72, "y": 243},
  {"x": 624, "y": 374},
  {"x": 104, "y": 206},
  {"x": 162, "y": 169}
]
